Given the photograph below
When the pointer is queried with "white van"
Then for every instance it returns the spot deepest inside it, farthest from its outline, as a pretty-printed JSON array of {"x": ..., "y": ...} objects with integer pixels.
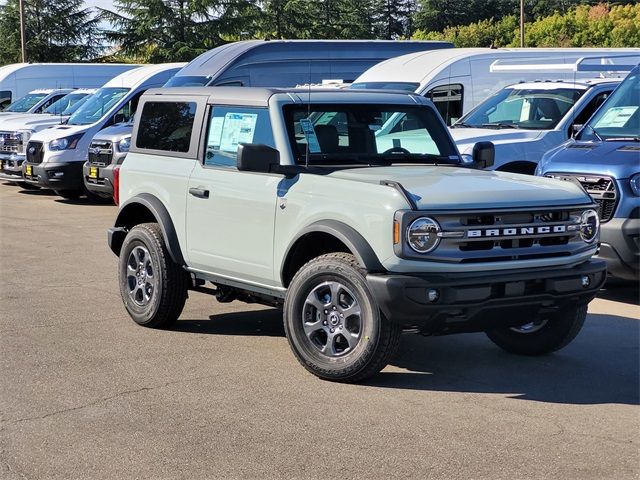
[
  {"x": 458, "y": 79},
  {"x": 54, "y": 156},
  {"x": 18, "y": 79},
  {"x": 15, "y": 131},
  {"x": 36, "y": 101}
]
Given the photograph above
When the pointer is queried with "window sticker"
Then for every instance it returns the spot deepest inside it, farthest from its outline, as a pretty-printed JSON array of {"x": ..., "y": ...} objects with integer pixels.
[
  {"x": 215, "y": 131},
  {"x": 237, "y": 128},
  {"x": 310, "y": 135},
  {"x": 617, "y": 117}
]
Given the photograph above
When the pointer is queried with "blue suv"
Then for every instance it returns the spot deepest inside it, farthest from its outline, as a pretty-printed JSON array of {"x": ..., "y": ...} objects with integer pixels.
[{"x": 604, "y": 157}]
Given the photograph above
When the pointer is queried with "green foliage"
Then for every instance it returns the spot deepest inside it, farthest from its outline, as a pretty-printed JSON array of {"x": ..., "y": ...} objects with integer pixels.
[
  {"x": 582, "y": 26},
  {"x": 55, "y": 31}
]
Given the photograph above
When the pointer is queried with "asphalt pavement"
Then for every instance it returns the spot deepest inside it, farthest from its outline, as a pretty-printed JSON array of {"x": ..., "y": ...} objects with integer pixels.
[{"x": 85, "y": 393}]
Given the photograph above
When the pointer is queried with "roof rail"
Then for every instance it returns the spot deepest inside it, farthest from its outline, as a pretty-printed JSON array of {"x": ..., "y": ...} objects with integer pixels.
[{"x": 580, "y": 65}]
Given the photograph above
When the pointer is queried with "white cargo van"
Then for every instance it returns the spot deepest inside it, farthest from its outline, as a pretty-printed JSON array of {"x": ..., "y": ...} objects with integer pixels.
[
  {"x": 18, "y": 79},
  {"x": 54, "y": 156},
  {"x": 36, "y": 101},
  {"x": 458, "y": 79}
]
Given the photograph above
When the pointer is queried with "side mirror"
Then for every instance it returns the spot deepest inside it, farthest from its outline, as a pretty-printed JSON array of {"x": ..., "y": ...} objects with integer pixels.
[
  {"x": 575, "y": 128},
  {"x": 255, "y": 157},
  {"x": 484, "y": 154}
]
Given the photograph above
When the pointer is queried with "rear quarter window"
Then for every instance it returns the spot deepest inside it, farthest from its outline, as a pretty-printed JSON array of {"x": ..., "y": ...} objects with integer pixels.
[{"x": 166, "y": 126}]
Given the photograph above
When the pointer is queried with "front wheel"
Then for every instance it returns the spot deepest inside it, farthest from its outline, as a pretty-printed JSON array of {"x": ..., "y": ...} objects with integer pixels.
[
  {"x": 153, "y": 287},
  {"x": 545, "y": 335},
  {"x": 333, "y": 323}
]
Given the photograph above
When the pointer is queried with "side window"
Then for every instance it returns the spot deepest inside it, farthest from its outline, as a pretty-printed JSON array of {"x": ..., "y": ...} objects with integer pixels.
[
  {"x": 589, "y": 109},
  {"x": 166, "y": 126},
  {"x": 127, "y": 111},
  {"x": 46, "y": 104},
  {"x": 231, "y": 126},
  {"x": 448, "y": 101}
]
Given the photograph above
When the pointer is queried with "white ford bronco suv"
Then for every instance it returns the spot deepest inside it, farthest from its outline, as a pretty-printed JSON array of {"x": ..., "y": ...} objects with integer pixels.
[{"x": 306, "y": 200}]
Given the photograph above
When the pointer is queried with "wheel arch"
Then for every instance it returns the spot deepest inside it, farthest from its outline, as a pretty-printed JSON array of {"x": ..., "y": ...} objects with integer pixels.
[
  {"x": 327, "y": 236},
  {"x": 145, "y": 208}
]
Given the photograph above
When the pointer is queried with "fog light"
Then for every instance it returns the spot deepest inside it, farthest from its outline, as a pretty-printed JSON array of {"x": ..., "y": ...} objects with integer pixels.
[
  {"x": 433, "y": 295},
  {"x": 586, "y": 281},
  {"x": 58, "y": 174}
]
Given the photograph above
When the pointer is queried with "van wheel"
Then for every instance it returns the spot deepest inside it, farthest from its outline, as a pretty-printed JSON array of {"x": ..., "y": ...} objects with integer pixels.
[
  {"x": 544, "y": 335},
  {"x": 68, "y": 194},
  {"x": 153, "y": 287},
  {"x": 333, "y": 323}
]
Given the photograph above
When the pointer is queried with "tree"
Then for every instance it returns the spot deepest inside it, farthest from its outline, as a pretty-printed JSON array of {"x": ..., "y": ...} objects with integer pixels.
[
  {"x": 55, "y": 31},
  {"x": 177, "y": 30}
]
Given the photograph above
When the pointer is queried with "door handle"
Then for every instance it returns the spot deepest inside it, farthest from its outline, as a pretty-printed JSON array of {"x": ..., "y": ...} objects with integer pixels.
[{"x": 199, "y": 192}]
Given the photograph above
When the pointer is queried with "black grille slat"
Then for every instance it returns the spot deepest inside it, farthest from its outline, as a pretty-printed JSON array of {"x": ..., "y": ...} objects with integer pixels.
[
  {"x": 602, "y": 189},
  {"x": 35, "y": 152},
  {"x": 100, "y": 153}
]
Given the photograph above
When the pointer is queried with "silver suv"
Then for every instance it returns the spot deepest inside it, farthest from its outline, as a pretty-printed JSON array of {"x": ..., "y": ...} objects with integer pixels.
[{"x": 352, "y": 212}]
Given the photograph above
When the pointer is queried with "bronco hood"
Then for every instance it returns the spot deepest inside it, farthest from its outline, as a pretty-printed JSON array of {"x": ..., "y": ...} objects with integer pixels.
[
  {"x": 616, "y": 159},
  {"x": 433, "y": 187}
]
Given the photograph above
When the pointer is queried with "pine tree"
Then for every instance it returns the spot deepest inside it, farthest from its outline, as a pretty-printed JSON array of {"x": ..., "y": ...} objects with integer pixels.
[{"x": 55, "y": 31}]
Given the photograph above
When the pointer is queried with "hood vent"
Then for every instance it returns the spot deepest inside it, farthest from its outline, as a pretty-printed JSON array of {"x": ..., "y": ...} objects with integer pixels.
[
  {"x": 582, "y": 146},
  {"x": 630, "y": 148}
]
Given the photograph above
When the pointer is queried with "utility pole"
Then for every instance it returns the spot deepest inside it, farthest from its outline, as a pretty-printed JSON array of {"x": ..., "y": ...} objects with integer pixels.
[
  {"x": 23, "y": 43},
  {"x": 521, "y": 23}
]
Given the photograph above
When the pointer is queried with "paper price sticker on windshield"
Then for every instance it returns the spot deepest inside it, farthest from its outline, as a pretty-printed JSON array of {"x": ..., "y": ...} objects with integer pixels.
[
  {"x": 616, "y": 117},
  {"x": 310, "y": 135}
]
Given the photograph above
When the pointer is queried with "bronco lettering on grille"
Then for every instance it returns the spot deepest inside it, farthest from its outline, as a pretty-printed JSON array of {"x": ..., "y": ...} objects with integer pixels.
[{"x": 514, "y": 231}]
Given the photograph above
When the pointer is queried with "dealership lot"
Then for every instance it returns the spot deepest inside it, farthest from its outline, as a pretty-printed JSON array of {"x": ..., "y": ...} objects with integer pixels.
[{"x": 85, "y": 393}]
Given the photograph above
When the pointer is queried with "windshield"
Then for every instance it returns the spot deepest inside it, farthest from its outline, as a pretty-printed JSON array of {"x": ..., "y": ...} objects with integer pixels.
[
  {"x": 97, "y": 105},
  {"x": 348, "y": 134},
  {"x": 530, "y": 108},
  {"x": 619, "y": 116},
  {"x": 24, "y": 104},
  {"x": 187, "y": 81},
  {"x": 60, "y": 106},
  {"x": 403, "y": 86}
]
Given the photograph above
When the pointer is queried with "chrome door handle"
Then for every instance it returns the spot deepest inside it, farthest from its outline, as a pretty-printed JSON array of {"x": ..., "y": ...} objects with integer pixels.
[{"x": 199, "y": 192}]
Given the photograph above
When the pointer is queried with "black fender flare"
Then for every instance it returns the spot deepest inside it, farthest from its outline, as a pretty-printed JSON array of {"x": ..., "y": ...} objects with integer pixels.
[
  {"x": 355, "y": 242},
  {"x": 155, "y": 206}
]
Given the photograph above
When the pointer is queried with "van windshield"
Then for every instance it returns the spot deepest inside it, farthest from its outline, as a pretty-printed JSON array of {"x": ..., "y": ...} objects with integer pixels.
[
  {"x": 619, "y": 118},
  {"x": 188, "y": 81},
  {"x": 24, "y": 104},
  {"x": 402, "y": 86},
  {"x": 347, "y": 134},
  {"x": 97, "y": 106},
  {"x": 62, "y": 105},
  {"x": 530, "y": 108}
]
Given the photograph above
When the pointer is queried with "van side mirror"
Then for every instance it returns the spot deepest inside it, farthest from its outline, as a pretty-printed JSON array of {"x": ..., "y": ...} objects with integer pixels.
[
  {"x": 575, "y": 128},
  {"x": 484, "y": 154},
  {"x": 256, "y": 157}
]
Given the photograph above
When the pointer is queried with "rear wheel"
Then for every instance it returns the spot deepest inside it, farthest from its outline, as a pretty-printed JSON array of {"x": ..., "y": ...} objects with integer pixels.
[
  {"x": 333, "y": 323},
  {"x": 545, "y": 335},
  {"x": 153, "y": 287}
]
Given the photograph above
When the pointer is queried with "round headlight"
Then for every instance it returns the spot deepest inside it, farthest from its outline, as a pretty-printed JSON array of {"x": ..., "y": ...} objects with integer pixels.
[
  {"x": 422, "y": 234},
  {"x": 635, "y": 184},
  {"x": 589, "y": 225}
]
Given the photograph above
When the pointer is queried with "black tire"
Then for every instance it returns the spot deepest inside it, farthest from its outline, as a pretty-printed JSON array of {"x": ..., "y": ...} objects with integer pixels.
[
  {"x": 375, "y": 340},
  {"x": 169, "y": 281},
  {"x": 557, "y": 331},
  {"x": 68, "y": 194}
]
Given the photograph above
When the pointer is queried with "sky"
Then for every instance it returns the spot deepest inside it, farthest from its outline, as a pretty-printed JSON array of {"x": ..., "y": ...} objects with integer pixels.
[{"x": 108, "y": 4}]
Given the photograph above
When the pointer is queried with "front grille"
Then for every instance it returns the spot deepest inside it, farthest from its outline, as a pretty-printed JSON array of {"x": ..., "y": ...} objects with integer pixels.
[
  {"x": 602, "y": 189},
  {"x": 504, "y": 235},
  {"x": 100, "y": 153},
  {"x": 35, "y": 152},
  {"x": 9, "y": 142}
]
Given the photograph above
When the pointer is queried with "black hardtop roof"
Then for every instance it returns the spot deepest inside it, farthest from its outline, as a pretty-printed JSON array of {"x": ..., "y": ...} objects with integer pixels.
[{"x": 261, "y": 96}]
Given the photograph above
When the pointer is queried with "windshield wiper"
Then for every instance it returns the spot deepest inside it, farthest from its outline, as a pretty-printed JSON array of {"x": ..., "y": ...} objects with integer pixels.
[
  {"x": 425, "y": 158},
  {"x": 461, "y": 124},
  {"x": 623, "y": 139},
  {"x": 499, "y": 125},
  {"x": 340, "y": 160},
  {"x": 597, "y": 135}
]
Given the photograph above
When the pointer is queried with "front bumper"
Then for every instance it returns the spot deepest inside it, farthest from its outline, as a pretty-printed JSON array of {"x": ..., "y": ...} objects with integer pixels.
[
  {"x": 103, "y": 184},
  {"x": 11, "y": 167},
  {"x": 480, "y": 301},
  {"x": 56, "y": 176},
  {"x": 620, "y": 247}
]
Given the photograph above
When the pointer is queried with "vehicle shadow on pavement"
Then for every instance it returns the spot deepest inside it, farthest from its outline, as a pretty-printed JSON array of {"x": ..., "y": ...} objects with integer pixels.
[
  {"x": 628, "y": 292},
  {"x": 43, "y": 192},
  {"x": 83, "y": 201},
  {"x": 602, "y": 365},
  {"x": 259, "y": 323}
]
